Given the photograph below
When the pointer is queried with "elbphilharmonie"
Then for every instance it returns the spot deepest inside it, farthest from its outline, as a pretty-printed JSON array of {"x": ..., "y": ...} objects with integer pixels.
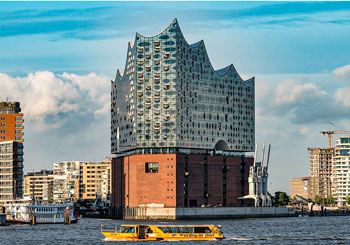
[{"x": 179, "y": 125}]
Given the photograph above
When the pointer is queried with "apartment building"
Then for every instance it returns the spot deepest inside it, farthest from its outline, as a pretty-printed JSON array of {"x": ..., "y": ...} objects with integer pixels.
[
  {"x": 341, "y": 170},
  {"x": 66, "y": 181},
  {"x": 95, "y": 180},
  {"x": 300, "y": 186},
  {"x": 11, "y": 122},
  {"x": 39, "y": 184},
  {"x": 11, "y": 170}
]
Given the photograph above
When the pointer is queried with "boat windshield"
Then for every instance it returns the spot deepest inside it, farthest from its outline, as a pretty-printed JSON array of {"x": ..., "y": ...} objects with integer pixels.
[{"x": 127, "y": 229}]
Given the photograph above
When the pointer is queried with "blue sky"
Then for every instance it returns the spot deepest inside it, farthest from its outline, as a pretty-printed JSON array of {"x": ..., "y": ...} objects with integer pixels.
[{"x": 299, "y": 53}]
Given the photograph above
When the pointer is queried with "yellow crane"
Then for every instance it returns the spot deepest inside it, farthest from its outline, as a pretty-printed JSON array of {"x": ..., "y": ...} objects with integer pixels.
[{"x": 333, "y": 132}]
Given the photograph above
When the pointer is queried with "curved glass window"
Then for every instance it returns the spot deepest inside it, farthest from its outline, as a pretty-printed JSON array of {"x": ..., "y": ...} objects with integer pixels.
[
  {"x": 169, "y": 49},
  {"x": 142, "y": 44},
  {"x": 164, "y": 37},
  {"x": 169, "y": 43}
]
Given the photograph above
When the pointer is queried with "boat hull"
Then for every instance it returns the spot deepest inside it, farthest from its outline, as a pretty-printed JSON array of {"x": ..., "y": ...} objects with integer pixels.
[
  {"x": 12, "y": 221},
  {"x": 164, "y": 233},
  {"x": 116, "y": 236}
]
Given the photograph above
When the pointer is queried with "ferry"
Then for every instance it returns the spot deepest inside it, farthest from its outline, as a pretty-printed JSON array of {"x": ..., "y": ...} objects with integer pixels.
[
  {"x": 22, "y": 211},
  {"x": 164, "y": 233}
]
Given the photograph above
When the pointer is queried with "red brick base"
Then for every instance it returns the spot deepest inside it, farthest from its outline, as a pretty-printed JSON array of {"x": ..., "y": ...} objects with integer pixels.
[{"x": 182, "y": 180}]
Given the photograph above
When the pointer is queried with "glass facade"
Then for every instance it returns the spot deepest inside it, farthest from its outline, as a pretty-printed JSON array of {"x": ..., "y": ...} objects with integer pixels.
[{"x": 169, "y": 96}]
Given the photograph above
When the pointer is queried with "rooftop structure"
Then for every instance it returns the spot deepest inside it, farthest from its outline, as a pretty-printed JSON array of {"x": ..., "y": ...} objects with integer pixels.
[{"x": 169, "y": 97}]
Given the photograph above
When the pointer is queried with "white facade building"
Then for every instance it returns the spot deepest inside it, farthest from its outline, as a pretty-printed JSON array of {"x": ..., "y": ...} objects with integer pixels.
[
  {"x": 66, "y": 181},
  {"x": 341, "y": 170}
]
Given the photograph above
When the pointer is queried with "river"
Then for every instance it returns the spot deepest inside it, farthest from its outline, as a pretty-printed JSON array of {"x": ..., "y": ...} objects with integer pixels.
[{"x": 302, "y": 230}]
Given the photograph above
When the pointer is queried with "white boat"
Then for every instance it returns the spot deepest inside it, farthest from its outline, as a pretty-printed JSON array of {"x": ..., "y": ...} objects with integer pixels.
[{"x": 27, "y": 212}]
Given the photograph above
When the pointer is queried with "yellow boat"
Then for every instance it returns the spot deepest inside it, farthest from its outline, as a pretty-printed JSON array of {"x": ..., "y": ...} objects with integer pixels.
[{"x": 164, "y": 232}]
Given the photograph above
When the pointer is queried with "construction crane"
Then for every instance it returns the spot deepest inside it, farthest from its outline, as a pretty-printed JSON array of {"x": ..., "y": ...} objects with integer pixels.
[{"x": 333, "y": 132}]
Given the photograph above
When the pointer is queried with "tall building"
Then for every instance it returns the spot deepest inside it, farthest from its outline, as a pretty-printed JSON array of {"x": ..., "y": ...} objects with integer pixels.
[
  {"x": 11, "y": 122},
  {"x": 300, "y": 186},
  {"x": 178, "y": 126},
  {"x": 320, "y": 172},
  {"x": 38, "y": 183},
  {"x": 11, "y": 170},
  {"x": 95, "y": 180},
  {"x": 66, "y": 181},
  {"x": 341, "y": 172}
]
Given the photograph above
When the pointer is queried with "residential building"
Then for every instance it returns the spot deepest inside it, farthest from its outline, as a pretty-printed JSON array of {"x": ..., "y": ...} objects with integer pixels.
[
  {"x": 107, "y": 183},
  {"x": 95, "y": 179},
  {"x": 66, "y": 181},
  {"x": 341, "y": 170},
  {"x": 299, "y": 186},
  {"x": 40, "y": 184},
  {"x": 11, "y": 122},
  {"x": 179, "y": 128},
  {"x": 11, "y": 170}
]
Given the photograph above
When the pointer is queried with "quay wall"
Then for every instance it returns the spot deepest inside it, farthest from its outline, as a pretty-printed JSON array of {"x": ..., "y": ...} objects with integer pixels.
[
  {"x": 2, "y": 219},
  {"x": 149, "y": 213}
]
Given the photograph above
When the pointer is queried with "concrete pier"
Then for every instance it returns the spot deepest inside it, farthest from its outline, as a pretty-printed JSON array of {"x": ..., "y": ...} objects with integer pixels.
[{"x": 151, "y": 213}]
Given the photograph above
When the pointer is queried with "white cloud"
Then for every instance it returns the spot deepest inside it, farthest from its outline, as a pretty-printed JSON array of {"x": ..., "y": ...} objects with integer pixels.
[
  {"x": 342, "y": 73},
  {"x": 47, "y": 98},
  {"x": 342, "y": 95},
  {"x": 290, "y": 92}
]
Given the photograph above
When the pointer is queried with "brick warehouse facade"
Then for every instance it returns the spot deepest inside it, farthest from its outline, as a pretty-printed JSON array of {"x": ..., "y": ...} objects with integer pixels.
[
  {"x": 182, "y": 180},
  {"x": 179, "y": 129}
]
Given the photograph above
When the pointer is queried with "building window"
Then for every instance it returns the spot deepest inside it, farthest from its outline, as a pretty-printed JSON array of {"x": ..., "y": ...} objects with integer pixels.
[{"x": 152, "y": 167}]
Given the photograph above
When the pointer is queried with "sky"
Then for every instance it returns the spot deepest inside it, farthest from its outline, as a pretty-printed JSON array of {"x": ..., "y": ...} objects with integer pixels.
[{"x": 58, "y": 58}]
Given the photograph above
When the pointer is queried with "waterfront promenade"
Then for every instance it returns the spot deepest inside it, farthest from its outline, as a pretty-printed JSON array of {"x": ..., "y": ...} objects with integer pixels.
[{"x": 292, "y": 230}]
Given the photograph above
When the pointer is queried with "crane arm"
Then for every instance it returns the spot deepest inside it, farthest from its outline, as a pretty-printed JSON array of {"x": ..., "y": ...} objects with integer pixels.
[{"x": 333, "y": 132}]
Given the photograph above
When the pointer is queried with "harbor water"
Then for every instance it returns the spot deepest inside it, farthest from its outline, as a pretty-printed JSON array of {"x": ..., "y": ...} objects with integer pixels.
[{"x": 293, "y": 230}]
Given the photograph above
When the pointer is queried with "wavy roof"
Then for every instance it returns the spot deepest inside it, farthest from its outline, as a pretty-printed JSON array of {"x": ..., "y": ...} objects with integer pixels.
[{"x": 174, "y": 24}]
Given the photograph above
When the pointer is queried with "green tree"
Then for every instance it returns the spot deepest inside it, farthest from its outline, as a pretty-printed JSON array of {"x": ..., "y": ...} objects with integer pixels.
[
  {"x": 318, "y": 199},
  {"x": 330, "y": 200},
  {"x": 280, "y": 198},
  {"x": 347, "y": 199}
]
